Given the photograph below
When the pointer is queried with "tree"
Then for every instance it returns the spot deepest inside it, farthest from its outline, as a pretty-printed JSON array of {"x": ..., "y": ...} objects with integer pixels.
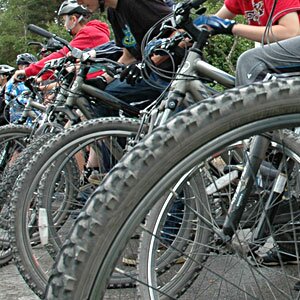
[{"x": 15, "y": 16}]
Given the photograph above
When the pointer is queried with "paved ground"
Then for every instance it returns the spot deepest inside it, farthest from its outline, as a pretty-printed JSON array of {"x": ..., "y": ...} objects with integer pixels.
[{"x": 12, "y": 285}]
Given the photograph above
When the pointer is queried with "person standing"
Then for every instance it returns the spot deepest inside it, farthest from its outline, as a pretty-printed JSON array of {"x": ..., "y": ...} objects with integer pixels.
[{"x": 15, "y": 90}]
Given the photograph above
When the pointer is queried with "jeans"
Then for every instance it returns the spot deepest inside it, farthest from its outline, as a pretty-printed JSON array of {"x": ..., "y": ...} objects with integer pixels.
[{"x": 139, "y": 92}]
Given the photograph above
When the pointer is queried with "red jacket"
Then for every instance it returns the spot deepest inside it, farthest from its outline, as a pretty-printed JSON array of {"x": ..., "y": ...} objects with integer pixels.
[
  {"x": 93, "y": 34},
  {"x": 257, "y": 12}
]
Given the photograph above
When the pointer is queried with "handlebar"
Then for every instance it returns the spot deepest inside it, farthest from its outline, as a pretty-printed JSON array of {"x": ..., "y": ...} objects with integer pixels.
[
  {"x": 42, "y": 32},
  {"x": 196, "y": 3},
  {"x": 181, "y": 19},
  {"x": 51, "y": 45},
  {"x": 76, "y": 53}
]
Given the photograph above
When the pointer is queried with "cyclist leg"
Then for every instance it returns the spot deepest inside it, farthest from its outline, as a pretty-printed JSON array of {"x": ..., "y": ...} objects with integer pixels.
[
  {"x": 138, "y": 92},
  {"x": 272, "y": 57}
]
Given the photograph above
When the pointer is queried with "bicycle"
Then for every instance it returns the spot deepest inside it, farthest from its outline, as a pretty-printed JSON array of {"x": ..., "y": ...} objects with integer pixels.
[
  {"x": 63, "y": 108},
  {"x": 131, "y": 197},
  {"x": 66, "y": 101},
  {"x": 41, "y": 282},
  {"x": 44, "y": 162},
  {"x": 139, "y": 193}
]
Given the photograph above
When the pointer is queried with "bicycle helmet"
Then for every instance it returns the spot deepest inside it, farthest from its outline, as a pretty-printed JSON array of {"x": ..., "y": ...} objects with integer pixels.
[
  {"x": 71, "y": 7},
  {"x": 25, "y": 59},
  {"x": 6, "y": 70}
]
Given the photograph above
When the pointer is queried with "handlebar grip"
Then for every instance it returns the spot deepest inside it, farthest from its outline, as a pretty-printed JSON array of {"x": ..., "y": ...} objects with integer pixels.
[
  {"x": 40, "y": 31},
  {"x": 196, "y": 3}
]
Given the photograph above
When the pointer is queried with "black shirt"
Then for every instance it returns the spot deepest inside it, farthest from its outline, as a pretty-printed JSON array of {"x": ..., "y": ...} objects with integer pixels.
[{"x": 132, "y": 19}]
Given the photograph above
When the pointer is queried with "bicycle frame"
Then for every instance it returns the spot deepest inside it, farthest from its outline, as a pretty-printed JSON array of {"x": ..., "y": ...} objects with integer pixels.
[{"x": 183, "y": 89}]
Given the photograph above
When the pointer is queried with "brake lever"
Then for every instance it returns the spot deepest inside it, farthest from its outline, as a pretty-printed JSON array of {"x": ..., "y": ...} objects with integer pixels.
[{"x": 114, "y": 70}]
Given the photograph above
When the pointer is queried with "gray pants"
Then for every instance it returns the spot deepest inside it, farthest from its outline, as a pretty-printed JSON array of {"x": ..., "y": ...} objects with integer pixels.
[{"x": 269, "y": 58}]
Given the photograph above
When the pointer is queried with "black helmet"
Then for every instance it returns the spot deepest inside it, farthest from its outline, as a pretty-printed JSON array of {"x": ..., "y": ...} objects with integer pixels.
[
  {"x": 25, "y": 59},
  {"x": 71, "y": 7},
  {"x": 6, "y": 70}
]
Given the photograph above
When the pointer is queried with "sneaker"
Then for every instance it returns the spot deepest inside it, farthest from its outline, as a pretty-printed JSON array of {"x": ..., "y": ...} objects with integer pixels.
[
  {"x": 129, "y": 261},
  {"x": 284, "y": 212},
  {"x": 83, "y": 194},
  {"x": 271, "y": 258},
  {"x": 180, "y": 260},
  {"x": 95, "y": 177}
]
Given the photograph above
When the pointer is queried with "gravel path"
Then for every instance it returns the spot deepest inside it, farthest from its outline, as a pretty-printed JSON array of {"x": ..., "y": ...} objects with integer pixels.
[{"x": 12, "y": 285}]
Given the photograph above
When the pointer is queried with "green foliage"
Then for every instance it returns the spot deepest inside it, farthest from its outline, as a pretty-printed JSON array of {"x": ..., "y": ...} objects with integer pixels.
[{"x": 15, "y": 16}]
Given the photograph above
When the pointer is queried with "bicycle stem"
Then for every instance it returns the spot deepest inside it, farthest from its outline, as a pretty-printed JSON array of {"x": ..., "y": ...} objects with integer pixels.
[{"x": 270, "y": 207}]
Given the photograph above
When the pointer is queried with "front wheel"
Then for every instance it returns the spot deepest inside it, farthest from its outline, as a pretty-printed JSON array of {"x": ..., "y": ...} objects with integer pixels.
[{"x": 148, "y": 173}]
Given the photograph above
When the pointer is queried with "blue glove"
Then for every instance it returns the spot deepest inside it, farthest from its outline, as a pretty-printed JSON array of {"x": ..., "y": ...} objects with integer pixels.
[
  {"x": 155, "y": 45},
  {"x": 219, "y": 26}
]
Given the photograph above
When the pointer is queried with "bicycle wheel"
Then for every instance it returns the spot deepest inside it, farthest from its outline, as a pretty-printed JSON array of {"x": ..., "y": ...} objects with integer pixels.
[
  {"x": 9, "y": 178},
  {"x": 48, "y": 195},
  {"x": 12, "y": 172},
  {"x": 172, "y": 267},
  {"x": 13, "y": 139},
  {"x": 151, "y": 170}
]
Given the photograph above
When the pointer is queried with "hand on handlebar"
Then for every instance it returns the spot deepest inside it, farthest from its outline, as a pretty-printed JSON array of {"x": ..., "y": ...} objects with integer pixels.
[
  {"x": 215, "y": 24},
  {"x": 134, "y": 73},
  {"x": 19, "y": 75},
  {"x": 161, "y": 46}
]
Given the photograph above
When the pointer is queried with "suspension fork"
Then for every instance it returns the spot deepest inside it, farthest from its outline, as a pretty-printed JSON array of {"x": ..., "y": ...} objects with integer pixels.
[
  {"x": 257, "y": 153},
  {"x": 271, "y": 206},
  {"x": 4, "y": 155}
]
